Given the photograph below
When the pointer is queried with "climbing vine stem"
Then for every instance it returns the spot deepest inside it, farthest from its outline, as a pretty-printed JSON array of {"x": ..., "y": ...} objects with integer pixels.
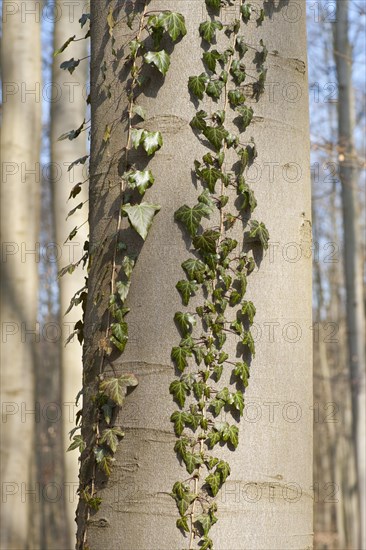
[{"x": 210, "y": 386}]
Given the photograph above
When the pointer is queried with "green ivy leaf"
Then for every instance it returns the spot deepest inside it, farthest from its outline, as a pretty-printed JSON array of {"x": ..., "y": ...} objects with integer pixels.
[
  {"x": 242, "y": 371},
  {"x": 215, "y": 135},
  {"x": 77, "y": 443},
  {"x": 205, "y": 521},
  {"x": 248, "y": 341},
  {"x": 179, "y": 419},
  {"x": 213, "y": 438},
  {"x": 213, "y": 4},
  {"x": 231, "y": 433},
  {"x": 236, "y": 97},
  {"x": 64, "y": 45},
  {"x": 241, "y": 46},
  {"x": 246, "y": 114},
  {"x": 191, "y": 217},
  {"x": 246, "y": 11},
  {"x": 179, "y": 390},
  {"x": 140, "y": 180},
  {"x": 238, "y": 402},
  {"x": 180, "y": 446},
  {"x": 182, "y": 523},
  {"x": 249, "y": 200},
  {"x": 119, "y": 335},
  {"x": 208, "y": 29},
  {"x": 195, "y": 269},
  {"x": 210, "y": 176},
  {"x": 116, "y": 388},
  {"x": 186, "y": 289},
  {"x": 198, "y": 121},
  {"x": 192, "y": 461},
  {"x": 207, "y": 544},
  {"x": 70, "y": 65},
  {"x": 173, "y": 23},
  {"x": 111, "y": 437},
  {"x": 160, "y": 59},
  {"x": 238, "y": 72},
  {"x": 122, "y": 289},
  {"x": 259, "y": 232},
  {"x": 179, "y": 356},
  {"x": 207, "y": 241},
  {"x": 197, "y": 85},
  {"x": 214, "y": 88},
  {"x": 141, "y": 216},
  {"x": 214, "y": 481},
  {"x": 140, "y": 111},
  {"x": 210, "y": 58},
  {"x": 185, "y": 321},
  {"x": 224, "y": 469},
  {"x": 248, "y": 309}
]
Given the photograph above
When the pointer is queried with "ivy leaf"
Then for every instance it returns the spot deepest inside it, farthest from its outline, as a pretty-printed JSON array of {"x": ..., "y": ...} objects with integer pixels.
[
  {"x": 214, "y": 4},
  {"x": 141, "y": 180},
  {"x": 242, "y": 371},
  {"x": 259, "y": 232},
  {"x": 214, "y": 481},
  {"x": 236, "y": 97},
  {"x": 238, "y": 402},
  {"x": 179, "y": 356},
  {"x": 119, "y": 335},
  {"x": 182, "y": 523},
  {"x": 103, "y": 459},
  {"x": 205, "y": 521},
  {"x": 141, "y": 216},
  {"x": 180, "y": 447},
  {"x": 246, "y": 11},
  {"x": 213, "y": 438},
  {"x": 215, "y": 135},
  {"x": 210, "y": 58},
  {"x": 77, "y": 443},
  {"x": 195, "y": 269},
  {"x": 122, "y": 289},
  {"x": 210, "y": 176},
  {"x": 128, "y": 265},
  {"x": 246, "y": 114},
  {"x": 224, "y": 469},
  {"x": 136, "y": 137},
  {"x": 179, "y": 390},
  {"x": 64, "y": 45},
  {"x": 151, "y": 141},
  {"x": 185, "y": 321},
  {"x": 73, "y": 134},
  {"x": 173, "y": 23},
  {"x": 231, "y": 433},
  {"x": 248, "y": 341},
  {"x": 249, "y": 200},
  {"x": 207, "y": 544},
  {"x": 241, "y": 46},
  {"x": 116, "y": 388},
  {"x": 134, "y": 47},
  {"x": 140, "y": 111},
  {"x": 186, "y": 289},
  {"x": 214, "y": 88},
  {"x": 208, "y": 30},
  {"x": 198, "y": 121},
  {"x": 191, "y": 461},
  {"x": 191, "y": 217},
  {"x": 207, "y": 241},
  {"x": 238, "y": 72},
  {"x": 70, "y": 65},
  {"x": 197, "y": 85},
  {"x": 161, "y": 60},
  {"x": 248, "y": 309},
  {"x": 179, "y": 419},
  {"x": 110, "y": 437}
]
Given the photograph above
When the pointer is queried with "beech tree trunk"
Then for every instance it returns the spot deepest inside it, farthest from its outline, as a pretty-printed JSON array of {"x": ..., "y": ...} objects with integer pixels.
[
  {"x": 267, "y": 501},
  {"x": 67, "y": 113},
  {"x": 352, "y": 249},
  {"x": 20, "y": 194}
]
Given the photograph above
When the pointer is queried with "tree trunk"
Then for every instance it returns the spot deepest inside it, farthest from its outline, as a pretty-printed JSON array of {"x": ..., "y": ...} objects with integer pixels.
[
  {"x": 267, "y": 500},
  {"x": 68, "y": 112},
  {"x": 20, "y": 194},
  {"x": 352, "y": 248}
]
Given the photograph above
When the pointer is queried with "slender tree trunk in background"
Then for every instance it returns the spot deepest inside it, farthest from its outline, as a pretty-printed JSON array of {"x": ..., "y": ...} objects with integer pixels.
[
  {"x": 20, "y": 194},
  {"x": 274, "y": 457},
  {"x": 352, "y": 250},
  {"x": 68, "y": 112}
]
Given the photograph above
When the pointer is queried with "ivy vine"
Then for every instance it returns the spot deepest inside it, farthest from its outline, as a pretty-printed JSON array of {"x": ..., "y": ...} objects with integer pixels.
[{"x": 217, "y": 271}]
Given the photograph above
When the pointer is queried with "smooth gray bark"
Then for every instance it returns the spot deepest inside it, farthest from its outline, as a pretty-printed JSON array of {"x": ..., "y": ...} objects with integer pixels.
[{"x": 267, "y": 501}]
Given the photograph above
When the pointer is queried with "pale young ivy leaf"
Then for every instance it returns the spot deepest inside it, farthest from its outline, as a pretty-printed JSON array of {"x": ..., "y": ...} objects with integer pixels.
[
  {"x": 151, "y": 141},
  {"x": 136, "y": 137},
  {"x": 141, "y": 216},
  {"x": 122, "y": 289},
  {"x": 140, "y": 180}
]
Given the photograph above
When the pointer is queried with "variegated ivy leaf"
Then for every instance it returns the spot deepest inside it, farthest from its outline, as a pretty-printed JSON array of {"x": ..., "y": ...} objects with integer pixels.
[
  {"x": 136, "y": 137},
  {"x": 141, "y": 216},
  {"x": 141, "y": 180},
  {"x": 116, "y": 388},
  {"x": 122, "y": 289},
  {"x": 110, "y": 437},
  {"x": 160, "y": 59},
  {"x": 151, "y": 141}
]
